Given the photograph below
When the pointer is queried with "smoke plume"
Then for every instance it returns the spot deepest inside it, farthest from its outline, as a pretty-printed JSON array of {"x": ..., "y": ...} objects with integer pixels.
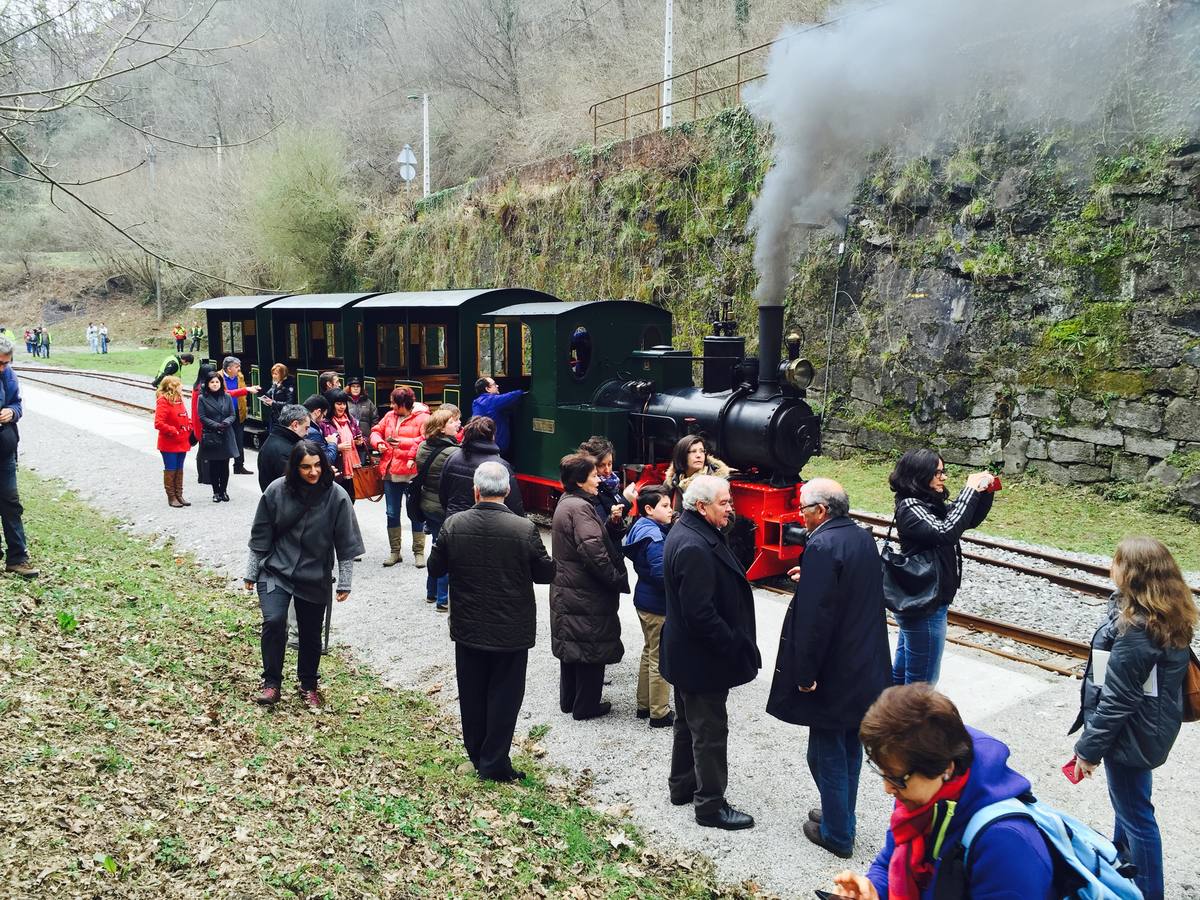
[{"x": 907, "y": 75}]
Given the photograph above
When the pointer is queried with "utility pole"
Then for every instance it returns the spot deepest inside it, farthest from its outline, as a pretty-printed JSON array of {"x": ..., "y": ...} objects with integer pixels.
[
  {"x": 668, "y": 61},
  {"x": 151, "y": 153},
  {"x": 424, "y": 97}
]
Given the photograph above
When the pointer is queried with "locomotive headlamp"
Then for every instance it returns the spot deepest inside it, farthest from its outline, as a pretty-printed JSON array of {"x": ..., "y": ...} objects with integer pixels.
[{"x": 799, "y": 373}]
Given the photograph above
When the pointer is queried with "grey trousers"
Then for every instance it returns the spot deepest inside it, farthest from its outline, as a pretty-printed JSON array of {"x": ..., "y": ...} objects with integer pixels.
[{"x": 699, "y": 759}]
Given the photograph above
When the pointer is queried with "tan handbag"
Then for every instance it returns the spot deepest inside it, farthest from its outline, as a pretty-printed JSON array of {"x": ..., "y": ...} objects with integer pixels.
[
  {"x": 1191, "y": 689},
  {"x": 368, "y": 483}
]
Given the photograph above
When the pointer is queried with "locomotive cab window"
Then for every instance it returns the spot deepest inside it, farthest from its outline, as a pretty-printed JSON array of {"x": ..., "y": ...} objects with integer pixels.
[
  {"x": 651, "y": 337},
  {"x": 491, "y": 342},
  {"x": 579, "y": 355},
  {"x": 433, "y": 346}
]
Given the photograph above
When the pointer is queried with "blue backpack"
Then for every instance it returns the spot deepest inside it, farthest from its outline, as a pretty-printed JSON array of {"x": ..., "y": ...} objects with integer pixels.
[{"x": 1086, "y": 864}]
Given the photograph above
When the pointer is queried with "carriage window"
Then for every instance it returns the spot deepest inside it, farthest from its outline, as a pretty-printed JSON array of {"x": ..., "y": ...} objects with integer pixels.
[
  {"x": 362, "y": 364},
  {"x": 651, "y": 337},
  {"x": 392, "y": 346},
  {"x": 526, "y": 350},
  {"x": 249, "y": 328},
  {"x": 331, "y": 347},
  {"x": 433, "y": 346},
  {"x": 579, "y": 357},
  {"x": 226, "y": 338},
  {"x": 293, "y": 341},
  {"x": 236, "y": 344},
  {"x": 491, "y": 349}
]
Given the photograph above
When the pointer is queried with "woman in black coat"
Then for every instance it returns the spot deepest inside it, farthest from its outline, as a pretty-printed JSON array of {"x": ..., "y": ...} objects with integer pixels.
[
  {"x": 217, "y": 443},
  {"x": 1132, "y": 705},
  {"x": 927, "y": 523},
  {"x": 457, "y": 489},
  {"x": 589, "y": 577},
  {"x": 281, "y": 393}
]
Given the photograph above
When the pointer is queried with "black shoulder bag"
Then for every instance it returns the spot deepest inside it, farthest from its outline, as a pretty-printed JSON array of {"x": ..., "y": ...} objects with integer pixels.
[
  {"x": 910, "y": 583},
  {"x": 417, "y": 485}
]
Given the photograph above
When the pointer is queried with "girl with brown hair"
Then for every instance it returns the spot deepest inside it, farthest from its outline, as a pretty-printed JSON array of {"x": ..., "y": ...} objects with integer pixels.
[
  {"x": 174, "y": 432},
  {"x": 1132, "y": 694}
]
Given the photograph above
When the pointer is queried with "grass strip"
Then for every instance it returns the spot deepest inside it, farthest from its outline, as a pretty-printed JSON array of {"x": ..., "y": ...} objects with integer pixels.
[
  {"x": 134, "y": 765},
  {"x": 1029, "y": 508},
  {"x": 124, "y": 362}
]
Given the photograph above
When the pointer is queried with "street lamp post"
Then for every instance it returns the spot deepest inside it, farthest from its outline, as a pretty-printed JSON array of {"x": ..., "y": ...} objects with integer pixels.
[{"x": 424, "y": 98}]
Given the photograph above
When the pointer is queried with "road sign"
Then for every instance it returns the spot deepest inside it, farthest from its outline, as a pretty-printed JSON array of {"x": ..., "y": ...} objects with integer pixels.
[{"x": 408, "y": 163}]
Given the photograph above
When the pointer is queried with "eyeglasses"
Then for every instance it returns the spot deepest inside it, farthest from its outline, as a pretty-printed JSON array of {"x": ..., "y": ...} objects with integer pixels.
[
  {"x": 938, "y": 472},
  {"x": 810, "y": 506},
  {"x": 899, "y": 782}
]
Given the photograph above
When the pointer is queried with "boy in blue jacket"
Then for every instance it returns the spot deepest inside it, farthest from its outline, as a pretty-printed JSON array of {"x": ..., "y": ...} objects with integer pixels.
[{"x": 644, "y": 546}]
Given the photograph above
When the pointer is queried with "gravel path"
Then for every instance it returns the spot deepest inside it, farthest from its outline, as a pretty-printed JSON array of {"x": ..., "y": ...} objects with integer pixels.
[{"x": 108, "y": 456}]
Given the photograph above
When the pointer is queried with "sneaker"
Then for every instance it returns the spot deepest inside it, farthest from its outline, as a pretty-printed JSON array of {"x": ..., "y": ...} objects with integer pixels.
[
  {"x": 268, "y": 695},
  {"x": 443, "y": 607},
  {"x": 312, "y": 698},
  {"x": 643, "y": 713},
  {"x": 663, "y": 722},
  {"x": 24, "y": 569},
  {"x": 431, "y": 599}
]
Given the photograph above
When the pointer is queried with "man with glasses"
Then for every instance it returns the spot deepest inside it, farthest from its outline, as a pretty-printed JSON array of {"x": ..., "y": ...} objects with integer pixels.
[
  {"x": 708, "y": 646},
  {"x": 833, "y": 658},
  {"x": 17, "y": 553}
]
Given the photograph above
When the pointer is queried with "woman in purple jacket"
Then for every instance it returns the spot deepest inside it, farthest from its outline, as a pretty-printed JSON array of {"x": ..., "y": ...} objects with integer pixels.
[{"x": 941, "y": 773}]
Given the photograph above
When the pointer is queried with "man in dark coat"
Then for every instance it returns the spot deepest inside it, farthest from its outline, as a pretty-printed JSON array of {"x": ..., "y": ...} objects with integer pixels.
[
  {"x": 493, "y": 557},
  {"x": 833, "y": 659},
  {"x": 708, "y": 646},
  {"x": 291, "y": 427},
  {"x": 479, "y": 446}
]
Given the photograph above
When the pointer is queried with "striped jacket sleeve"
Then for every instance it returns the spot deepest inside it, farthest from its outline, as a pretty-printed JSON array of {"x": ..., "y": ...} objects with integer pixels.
[{"x": 916, "y": 523}]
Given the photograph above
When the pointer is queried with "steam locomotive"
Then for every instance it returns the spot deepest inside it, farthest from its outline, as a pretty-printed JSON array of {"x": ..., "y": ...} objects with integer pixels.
[{"x": 592, "y": 367}]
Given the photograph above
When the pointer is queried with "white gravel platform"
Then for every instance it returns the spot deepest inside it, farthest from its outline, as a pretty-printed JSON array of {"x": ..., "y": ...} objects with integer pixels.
[{"x": 108, "y": 456}]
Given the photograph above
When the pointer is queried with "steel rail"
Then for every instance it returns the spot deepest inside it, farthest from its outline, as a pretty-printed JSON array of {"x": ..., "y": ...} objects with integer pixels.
[
  {"x": 1098, "y": 569},
  {"x": 25, "y": 376},
  {"x": 1060, "y": 646}
]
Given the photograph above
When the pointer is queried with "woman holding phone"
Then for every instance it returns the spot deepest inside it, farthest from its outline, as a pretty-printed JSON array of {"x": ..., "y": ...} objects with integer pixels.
[{"x": 1132, "y": 695}]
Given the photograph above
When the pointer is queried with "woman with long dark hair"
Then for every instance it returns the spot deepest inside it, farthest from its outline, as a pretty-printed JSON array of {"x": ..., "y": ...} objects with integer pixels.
[
  {"x": 202, "y": 377},
  {"x": 928, "y": 521},
  {"x": 589, "y": 577},
  {"x": 1132, "y": 694},
  {"x": 689, "y": 459},
  {"x": 302, "y": 523},
  {"x": 217, "y": 443},
  {"x": 351, "y": 445}
]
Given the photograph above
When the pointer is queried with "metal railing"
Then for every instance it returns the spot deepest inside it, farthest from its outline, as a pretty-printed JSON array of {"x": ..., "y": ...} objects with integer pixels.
[{"x": 714, "y": 86}]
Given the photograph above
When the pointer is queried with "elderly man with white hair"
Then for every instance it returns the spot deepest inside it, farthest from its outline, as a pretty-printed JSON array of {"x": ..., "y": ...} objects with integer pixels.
[
  {"x": 493, "y": 557},
  {"x": 708, "y": 646},
  {"x": 833, "y": 659}
]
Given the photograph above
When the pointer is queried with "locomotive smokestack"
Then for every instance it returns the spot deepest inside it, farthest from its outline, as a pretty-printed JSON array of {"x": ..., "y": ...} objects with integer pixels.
[{"x": 770, "y": 346}]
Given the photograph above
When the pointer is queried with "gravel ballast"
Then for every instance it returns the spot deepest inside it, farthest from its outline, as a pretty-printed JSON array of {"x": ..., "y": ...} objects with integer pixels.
[{"x": 109, "y": 457}]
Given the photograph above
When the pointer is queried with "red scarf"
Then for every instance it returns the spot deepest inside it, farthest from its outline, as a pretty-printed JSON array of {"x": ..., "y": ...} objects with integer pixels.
[{"x": 909, "y": 871}]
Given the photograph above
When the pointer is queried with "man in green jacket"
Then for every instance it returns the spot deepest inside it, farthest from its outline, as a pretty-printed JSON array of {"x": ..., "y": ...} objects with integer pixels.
[{"x": 173, "y": 365}]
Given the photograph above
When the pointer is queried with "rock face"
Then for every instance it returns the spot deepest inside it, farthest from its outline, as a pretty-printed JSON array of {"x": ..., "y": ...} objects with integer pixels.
[{"x": 1046, "y": 323}]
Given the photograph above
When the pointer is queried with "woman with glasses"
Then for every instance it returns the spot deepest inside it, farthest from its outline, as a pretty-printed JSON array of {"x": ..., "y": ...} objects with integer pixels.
[
  {"x": 927, "y": 521},
  {"x": 941, "y": 773},
  {"x": 1132, "y": 708}
]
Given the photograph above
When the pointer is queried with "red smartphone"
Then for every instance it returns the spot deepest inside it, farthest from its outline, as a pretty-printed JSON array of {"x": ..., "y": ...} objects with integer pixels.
[
  {"x": 1069, "y": 771},
  {"x": 996, "y": 485}
]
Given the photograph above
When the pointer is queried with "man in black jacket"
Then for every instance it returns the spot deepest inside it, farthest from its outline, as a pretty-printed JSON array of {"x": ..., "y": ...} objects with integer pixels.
[
  {"x": 493, "y": 557},
  {"x": 833, "y": 659},
  {"x": 291, "y": 425},
  {"x": 708, "y": 646}
]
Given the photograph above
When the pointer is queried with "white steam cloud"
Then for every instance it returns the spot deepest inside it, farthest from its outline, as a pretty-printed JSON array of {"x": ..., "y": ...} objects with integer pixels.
[{"x": 906, "y": 75}]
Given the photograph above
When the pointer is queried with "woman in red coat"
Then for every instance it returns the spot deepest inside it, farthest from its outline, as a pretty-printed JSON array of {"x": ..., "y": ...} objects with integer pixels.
[
  {"x": 174, "y": 432},
  {"x": 397, "y": 437}
]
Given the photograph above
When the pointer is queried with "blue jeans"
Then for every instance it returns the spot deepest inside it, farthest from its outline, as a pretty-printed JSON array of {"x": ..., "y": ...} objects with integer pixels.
[
  {"x": 172, "y": 462},
  {"x": 1136, "y": 832},
  {"x": 919, "y": 650},
  {"x": 11, "y": 511},
  {"x": 394, "y": 494},
  {"x": 438, "y": 588},
  {"x": 835, "y": 760}
]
